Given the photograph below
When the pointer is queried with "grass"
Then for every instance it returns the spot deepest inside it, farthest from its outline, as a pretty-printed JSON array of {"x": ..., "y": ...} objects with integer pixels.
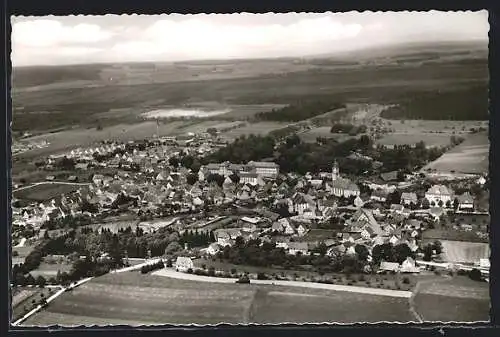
[
  {"x": 459, "y": 299},
  {"x": 411, "y": 139},
  {"x": 134, "y": 299},
  {"x": 471, "y": 156},
  {"x": 310, "y": 136},
  {"x": 25, "y": 300},
  {"x": 46, "y": 191},
  {"x": 148, "y": 299},
  {"x": 259, "y": 128},
  {"x": 49, "y": 270}
]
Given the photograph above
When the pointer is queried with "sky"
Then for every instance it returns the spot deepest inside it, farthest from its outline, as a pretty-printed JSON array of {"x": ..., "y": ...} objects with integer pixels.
[{"x": 53, "y": 40}]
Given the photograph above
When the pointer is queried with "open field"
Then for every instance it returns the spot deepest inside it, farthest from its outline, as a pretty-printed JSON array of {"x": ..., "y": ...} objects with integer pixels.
[
  {"x": 49, "y": 270},
  {"x": 138, "y": 299},
  {"x": 260, "y": 128},
  {"x": 464, "y": 252},
  {"x": 45, "y": 98},
  {"x": 24, "y": 301},
  {"x": 430, "y": 139},
  {"x": 159, "y": 300},
  {"x": 472, "y": 156},
  {"x": 459, "y": 300},
  {"x": 45, "y": 191},
  {"x": 324, "y": 132}
]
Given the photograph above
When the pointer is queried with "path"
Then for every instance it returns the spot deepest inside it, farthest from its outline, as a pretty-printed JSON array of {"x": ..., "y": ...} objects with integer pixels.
[
  {"x": 77, "y": 284},
  {"x": 49, "y": 183},
  {"x": 353, "y": 289}
]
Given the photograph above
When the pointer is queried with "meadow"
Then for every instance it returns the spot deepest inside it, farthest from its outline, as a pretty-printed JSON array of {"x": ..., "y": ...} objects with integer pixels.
[
  {"x": 45, "y": 191},
  {"x": 137, "y": 299},
  {"x": 146, "y": 299},
  {"x": 456, "y": 300},
  {"x": 431, "y": 140},
  {"x": 471, "y": 156}
]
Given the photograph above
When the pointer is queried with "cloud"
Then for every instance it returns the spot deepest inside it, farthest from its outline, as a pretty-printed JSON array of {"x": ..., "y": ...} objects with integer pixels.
[
  {"x": 195, "y": 38},
  {"x": 51, "y": 33},
  {"x": 67, "y": 40}
]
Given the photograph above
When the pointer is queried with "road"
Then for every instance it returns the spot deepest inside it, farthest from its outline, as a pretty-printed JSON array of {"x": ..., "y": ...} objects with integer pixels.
[
  {"x": 77, "y": 284},
  {"x": 167, "y": 272},
  {"x": 49, "y": 183}
]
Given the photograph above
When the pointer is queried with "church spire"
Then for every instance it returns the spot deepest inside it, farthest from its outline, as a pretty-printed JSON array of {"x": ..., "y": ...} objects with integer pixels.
[{"x": 335, "y": 171}]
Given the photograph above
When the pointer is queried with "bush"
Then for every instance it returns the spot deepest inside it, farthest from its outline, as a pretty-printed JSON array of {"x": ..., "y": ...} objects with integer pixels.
[
  {"x": 261, "y": 276},
  {"x": 233, "y": 271},
  {"x": 190, "y": 271},
  {"x": 211, "y": 271},
  {"x": 406, "y": 280},
  {"x": 475, "y": 275}
]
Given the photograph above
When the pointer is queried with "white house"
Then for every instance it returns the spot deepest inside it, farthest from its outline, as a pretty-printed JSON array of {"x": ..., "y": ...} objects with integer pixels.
[
  {"x": 465, "y": 201},
  {"x": 248, "y": 178},
  {"x": 438, "y": 194},
  {"x": 183, "y": 264},
  {"x": 295, "y": 248},
  {"x": 408, "y": 198},
  {"x": 213, "y": 249}
]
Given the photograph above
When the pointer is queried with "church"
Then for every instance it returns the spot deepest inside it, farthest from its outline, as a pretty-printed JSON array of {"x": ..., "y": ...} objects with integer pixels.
[{"x": 342, "y": 187}]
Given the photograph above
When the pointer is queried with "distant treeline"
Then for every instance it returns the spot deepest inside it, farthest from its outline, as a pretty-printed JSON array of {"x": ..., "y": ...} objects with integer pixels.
[
  {"x": 300, "y": 110},
  {"x": 464, "y": 104},
  {"x": 30, "y": 76}
]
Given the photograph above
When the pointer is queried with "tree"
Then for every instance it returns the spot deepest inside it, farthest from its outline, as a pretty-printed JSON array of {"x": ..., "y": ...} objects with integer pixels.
[
  {"x": 425, "y": 203},
  {"x": 234, "y": 178},
  {"x": 172, "y": 248},
  {"x": 173, "y": 161},
  {"x": 456, "y": 203},
  {"x": 212, "y": 132},
  {"x": 448, "y": 204},
  {"x": 440, "y": 203},
  {"x": 402, "y": 252},
  {"x": 438, "y": 247},
  {"x": 40, "y": 281},
  {"x": 428, "y": 252},
  {"x": 362, "y": 252},
  {"x": 215, "y": 178},
  {"x": 475, "y": 274},
  {"x": 192, "y": 178}
]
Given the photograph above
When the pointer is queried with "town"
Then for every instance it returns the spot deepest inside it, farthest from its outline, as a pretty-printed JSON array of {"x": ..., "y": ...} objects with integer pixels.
[
  {"x": 232, "y": 172},
  {"x": 248, "y": 214}
]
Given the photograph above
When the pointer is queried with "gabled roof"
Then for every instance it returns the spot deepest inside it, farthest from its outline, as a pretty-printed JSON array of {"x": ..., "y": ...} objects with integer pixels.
[
  {"x": 465, "y": 198},
  {"x": 439, "y": 190}
]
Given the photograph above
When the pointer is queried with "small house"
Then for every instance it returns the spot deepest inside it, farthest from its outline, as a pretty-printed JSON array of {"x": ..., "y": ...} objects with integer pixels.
[
  {"x": 183, "y": 264},
  {"x": 389, "y": 267}
]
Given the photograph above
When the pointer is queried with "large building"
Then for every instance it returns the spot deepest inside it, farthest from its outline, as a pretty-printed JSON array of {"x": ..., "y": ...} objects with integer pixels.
[
  {"x": 439, "y": 194},
  {"x": 265, "y": 169},
  {"x": 343, "y": 187},
  {"x": 261, "y": 169}
]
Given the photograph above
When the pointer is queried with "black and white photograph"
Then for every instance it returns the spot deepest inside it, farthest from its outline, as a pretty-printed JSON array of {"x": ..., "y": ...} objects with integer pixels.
[{"x": 244, "y": 168}]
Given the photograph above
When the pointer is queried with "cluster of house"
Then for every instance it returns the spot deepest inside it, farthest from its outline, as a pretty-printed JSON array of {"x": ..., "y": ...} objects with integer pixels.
[
  {"x": 24, "y": 146},
  {"x": 310, "y": 200}
]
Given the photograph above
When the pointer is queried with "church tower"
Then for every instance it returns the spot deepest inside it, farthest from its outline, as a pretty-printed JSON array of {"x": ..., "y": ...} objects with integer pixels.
[{"x": 335, "y": 171}]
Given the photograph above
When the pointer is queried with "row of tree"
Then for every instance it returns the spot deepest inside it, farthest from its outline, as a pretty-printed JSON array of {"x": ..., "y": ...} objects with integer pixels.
[{"x": 300, "y": 110}]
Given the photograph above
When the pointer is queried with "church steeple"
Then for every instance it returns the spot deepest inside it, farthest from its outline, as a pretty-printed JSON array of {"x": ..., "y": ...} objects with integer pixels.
[{"x": 335, "y": 171}]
